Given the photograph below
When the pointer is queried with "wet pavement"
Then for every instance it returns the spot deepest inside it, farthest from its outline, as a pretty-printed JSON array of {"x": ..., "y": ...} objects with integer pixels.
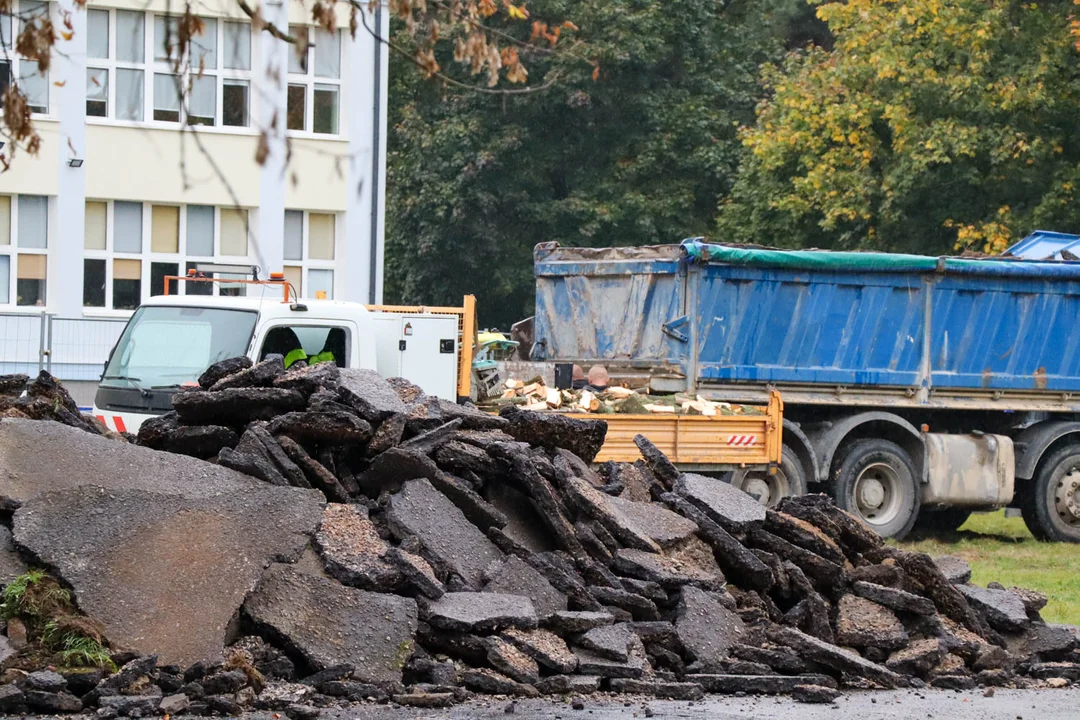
[{"x": 891, "y": 705}]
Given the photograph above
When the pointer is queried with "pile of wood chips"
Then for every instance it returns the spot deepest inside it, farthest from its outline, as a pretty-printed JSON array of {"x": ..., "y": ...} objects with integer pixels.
[{"x": 536, "y": 395}]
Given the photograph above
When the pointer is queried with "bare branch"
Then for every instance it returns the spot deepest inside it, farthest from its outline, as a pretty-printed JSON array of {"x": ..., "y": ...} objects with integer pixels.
[{"x": 263, "y": 24}]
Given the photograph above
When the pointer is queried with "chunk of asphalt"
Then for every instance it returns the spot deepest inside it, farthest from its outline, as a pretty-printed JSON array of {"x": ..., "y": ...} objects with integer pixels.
[
  {"x": 895, "y": 598},
  {"x": 755, "y": 684},
  {"x": 862, "y": 623},
  {"x": 222, "y": 369},
  {"x": 352, "y": 550},
  {"x": 260, "y": 374},
  {"x": 417, "y": 572},
  {"x": 309, "y": 380},
  {"x": 955, "y": 570},
  {"x": 705, "y": 627},
  {"x": 731, "y": 508},
  {"x": 551, "y": 430},
  {"x": 421, "y": 511},
  {"x": 658, "y": 688},
  {"x": 544, "y": 646},
  {"x": 835, "y": 657},
  {"x": 918, "y": 658},
  {"x": 124, "y": 552},
  {"x": 612, "y": 641},
  {"x": 814, "y": 694},
  {"x": 482, "y": 612},
  {"x": 235, "y": 406},
  {"x": 578, "y": 621},
  {"x": 329, "y": 624},
  {"x": 373, "y": 398},
  {"x": 1004, "y": 610},
  {"x": 738, "y": 561},
  {"x": 512, "y": 661},
  {"x": 516, "y": 576}
]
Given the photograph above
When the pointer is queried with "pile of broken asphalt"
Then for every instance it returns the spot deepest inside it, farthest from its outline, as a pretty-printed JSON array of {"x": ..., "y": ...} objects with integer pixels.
[{"x": 304, "y": 539}]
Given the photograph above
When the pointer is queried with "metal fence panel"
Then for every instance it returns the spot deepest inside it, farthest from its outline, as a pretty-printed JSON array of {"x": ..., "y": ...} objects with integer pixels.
[
  {"x": 20, "y": 343},
  {"x": 79, "y": 347}
]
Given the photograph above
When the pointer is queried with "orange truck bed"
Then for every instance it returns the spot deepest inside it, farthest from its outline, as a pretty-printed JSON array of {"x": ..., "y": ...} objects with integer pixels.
[{"x": 721, "y": 442}]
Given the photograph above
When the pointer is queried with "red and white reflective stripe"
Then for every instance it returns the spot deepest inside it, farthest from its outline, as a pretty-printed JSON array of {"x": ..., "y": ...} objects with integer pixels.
[
  {"x": 118, "y": 422},
  {"x": 741, "y": 440}
]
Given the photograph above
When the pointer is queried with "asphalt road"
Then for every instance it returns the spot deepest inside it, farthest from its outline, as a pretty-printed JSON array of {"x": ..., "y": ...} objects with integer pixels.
[{"x": 894, "y": 705}]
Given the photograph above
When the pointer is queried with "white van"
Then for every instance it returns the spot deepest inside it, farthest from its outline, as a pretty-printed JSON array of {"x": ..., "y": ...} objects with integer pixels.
[{"x": 171, "y": 339}]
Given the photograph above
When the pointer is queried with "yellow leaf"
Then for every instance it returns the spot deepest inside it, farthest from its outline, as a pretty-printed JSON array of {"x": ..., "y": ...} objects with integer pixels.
[
  {"x": 517, "y": 13},
  {"x": 67, "y": 35}
]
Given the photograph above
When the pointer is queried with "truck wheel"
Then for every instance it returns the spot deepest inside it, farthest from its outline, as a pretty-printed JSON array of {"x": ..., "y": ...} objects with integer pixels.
[
  {"x": 876, "y": 482},
  {"x": 789, "y": 479},
  {"x": 941, "y": 520},
  {"x": 1051, "y": 504}
]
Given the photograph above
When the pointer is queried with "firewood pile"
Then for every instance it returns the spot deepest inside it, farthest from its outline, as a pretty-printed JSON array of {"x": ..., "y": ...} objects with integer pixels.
[{"x": 535, "y": 395}]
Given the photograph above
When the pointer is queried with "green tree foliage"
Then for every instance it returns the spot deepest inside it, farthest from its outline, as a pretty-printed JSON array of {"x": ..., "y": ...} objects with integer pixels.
[
  {"x": 931, "y": 125},
  {"x": 632, "y": 141}
]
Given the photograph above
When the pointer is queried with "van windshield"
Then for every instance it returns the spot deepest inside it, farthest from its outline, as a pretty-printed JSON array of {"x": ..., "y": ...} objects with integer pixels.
[{"x": 165, "y": 347}]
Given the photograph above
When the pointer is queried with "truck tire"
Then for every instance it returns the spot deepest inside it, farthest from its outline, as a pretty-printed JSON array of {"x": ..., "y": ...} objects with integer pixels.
[
  {"x": 941, "y": 520},
  {"x": 789, "y": 479},
  {"x": 876, "y": 482},
  {"x": 1049, "y": 504}
]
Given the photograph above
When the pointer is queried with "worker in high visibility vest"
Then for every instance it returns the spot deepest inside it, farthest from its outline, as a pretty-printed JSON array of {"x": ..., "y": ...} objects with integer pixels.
[{"x": 298, "y": 354}]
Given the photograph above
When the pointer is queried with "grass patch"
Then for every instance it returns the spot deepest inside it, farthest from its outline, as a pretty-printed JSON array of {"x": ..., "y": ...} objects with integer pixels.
[
  {"x": 1001, "y": 549},
  {"x": 53, "y": 624}
]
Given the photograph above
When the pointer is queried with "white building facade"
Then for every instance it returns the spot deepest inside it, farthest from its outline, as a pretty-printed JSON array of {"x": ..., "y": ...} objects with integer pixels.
[{"x": 135, "y": 181}]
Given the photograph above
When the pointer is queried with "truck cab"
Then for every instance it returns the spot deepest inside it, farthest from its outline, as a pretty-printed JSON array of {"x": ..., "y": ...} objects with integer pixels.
[{"x": 171, "y": 339}]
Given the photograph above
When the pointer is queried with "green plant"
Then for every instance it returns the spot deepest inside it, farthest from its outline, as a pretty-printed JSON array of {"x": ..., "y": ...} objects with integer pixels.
[
  {"x": 78, "y": 641},
  {"x": 79, "y": 651},
  {"x": 53, "y": 621},
  {"x": 15, "y": 591}
]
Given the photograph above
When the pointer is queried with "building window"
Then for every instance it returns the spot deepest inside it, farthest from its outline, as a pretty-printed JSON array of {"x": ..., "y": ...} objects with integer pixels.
[
  {"x": 33, "y": 82},
  {"x": 94, "y": 283},
  {"x": 24, "y": 243},
  {"x": 315, "y": 82},
  {"x": 115, "y": 64},
  {"x": 127, "y": 284},
  {"x": 234, "y": 232},
  {"x": 309, "y": 250},
  {"x": 213, "y": 88},
  {"x": 131, "y": 247}
]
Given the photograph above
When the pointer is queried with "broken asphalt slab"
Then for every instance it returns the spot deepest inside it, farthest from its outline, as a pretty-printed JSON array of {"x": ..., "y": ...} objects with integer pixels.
[
  {"x": 550, "y": 430},
  {"x": 448, "y": 539},
  {"x": 482, "y": 612},
  {"x": 165, "y": 574},
  {"x": 332, "y": 625},
  {"x": 1004, "y": 610},
  {"x": 705, "y": 627},
  {"x": 726, "y": 505},
  {"x": 78, "y": 458}
]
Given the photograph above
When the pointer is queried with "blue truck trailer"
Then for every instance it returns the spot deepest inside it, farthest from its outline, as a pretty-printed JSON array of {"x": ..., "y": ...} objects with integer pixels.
[{"x": 916, "y": 389}]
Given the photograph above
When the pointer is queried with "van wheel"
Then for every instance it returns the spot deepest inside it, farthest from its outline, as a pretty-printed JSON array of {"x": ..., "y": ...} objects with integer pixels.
[
  {"x": 941, "y": 520},
  {"x": 876, "y": 481},
  {"x": 1050, "y": 504},
  {"x": 789, "y": 479}
]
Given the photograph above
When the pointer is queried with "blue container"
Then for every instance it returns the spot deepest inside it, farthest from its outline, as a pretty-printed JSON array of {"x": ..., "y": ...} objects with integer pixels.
[{"x": 722, "y": 315}]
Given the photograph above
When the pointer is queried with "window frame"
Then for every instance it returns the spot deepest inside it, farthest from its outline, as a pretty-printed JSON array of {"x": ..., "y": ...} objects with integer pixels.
[
  {"x": 12, "y": 251},
  {"x": 309, "y": 80},
  {"x": 151, "y": 67},
  {"x": 306, "y": 263},
  {"x": 15, "y": 61},
  {"x": 147, "y": 257}
]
